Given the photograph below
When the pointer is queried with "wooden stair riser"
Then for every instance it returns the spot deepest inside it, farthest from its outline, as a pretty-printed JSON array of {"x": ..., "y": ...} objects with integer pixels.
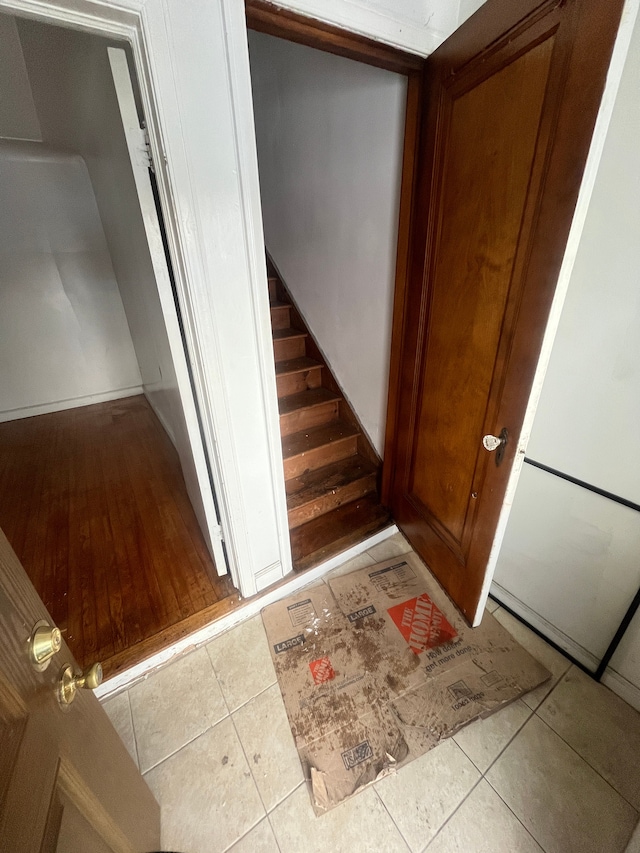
[
  {"x": 280, "y": 316},
  {"x": 330, "y": 534},
  {"x": 316, "y": 457},
  {"x": 285, "y": 348},
  {"x": 331, "y": 500},
  {"x": 310, "y": 417},
  {"x": 301, "y": 380},
  {"x": 330, "y": 469}
]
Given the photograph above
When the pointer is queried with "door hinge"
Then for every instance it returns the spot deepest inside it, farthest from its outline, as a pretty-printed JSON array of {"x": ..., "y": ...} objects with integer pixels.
[
  {"x": 145, "y": 158},
  {"x": 216, "y": 533}
]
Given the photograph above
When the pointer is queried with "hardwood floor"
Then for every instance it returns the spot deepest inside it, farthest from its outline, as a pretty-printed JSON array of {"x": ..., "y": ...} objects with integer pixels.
[{"x": 94, "y": 504}]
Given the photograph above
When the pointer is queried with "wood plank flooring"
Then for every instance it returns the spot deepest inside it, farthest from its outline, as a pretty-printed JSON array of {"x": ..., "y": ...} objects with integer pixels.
[{"x": 94, "y": 504}]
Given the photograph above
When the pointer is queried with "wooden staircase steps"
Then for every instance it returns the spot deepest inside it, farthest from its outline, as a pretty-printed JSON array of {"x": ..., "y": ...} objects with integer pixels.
[
  {"x": 331, "y": 471},
  {"x": 321, "y": 445},
  {"x": 307, "y": 409},
  {"x": 317, "y": 492},
  {"x": 336, "y": 531},
  {"x": 289, "y": 343},
  {"x": 297, "y": 374}
]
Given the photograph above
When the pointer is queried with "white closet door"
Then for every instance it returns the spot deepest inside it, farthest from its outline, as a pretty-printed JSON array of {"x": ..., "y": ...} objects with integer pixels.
[{"x": 188, "y": 441}]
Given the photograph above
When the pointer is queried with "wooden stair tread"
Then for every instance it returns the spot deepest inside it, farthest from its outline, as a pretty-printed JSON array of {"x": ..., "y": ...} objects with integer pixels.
[
  {"x": 312, "y": 485},
  {"x": 330, "y": 469},
  {"x": 284, "y": 334},
  {"x": 296, "y": 365},
  {"x": 306, "y": 400},
  {"x": 299, "y": 443},
  {"x": 329, "y": 534}
]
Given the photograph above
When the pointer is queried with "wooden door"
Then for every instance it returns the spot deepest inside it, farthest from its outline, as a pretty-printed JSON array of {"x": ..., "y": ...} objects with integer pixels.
[
  {"x": 67, "y": 783},
  {"x": 511, "y": 100},
  {"x": 187, "y": 436}
]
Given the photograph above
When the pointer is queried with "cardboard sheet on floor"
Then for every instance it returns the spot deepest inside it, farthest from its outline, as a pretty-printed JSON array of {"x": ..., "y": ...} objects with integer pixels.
[{"x": 377, "y": 667}]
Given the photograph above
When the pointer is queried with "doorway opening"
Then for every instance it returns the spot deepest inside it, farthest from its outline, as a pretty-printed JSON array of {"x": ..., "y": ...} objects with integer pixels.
[
  {"x": 104, "y": 492},
  {"x": 335, "y": 122}
]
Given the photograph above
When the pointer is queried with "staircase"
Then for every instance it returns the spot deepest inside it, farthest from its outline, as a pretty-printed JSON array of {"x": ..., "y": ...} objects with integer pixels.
[{"x": 331, "y": 470}]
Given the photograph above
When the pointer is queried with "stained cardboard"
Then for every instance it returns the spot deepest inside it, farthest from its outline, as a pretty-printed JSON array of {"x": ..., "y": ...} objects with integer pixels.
[{"x": 377, "y": 667}]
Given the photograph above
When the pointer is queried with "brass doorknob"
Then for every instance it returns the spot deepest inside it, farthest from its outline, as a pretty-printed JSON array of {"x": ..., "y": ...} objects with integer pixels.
[
  {"x": 69, "y": 683},
  {"x": 44, "y": 643}
]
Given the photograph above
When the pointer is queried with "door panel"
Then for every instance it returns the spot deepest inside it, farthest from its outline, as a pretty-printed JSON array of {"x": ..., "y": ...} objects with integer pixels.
[
  {"x": 67, "y": 781},
  {"x": 187, "y": 436},
  {"x": 512, "y": 100},
  {"x": 472, "y": 274}
]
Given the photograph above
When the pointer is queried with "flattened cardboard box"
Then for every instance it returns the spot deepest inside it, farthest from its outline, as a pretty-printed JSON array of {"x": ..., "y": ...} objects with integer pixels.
[{"x": 377, "y": 667}]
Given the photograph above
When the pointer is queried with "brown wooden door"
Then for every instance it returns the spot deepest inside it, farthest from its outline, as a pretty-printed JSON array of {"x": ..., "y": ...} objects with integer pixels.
[
  {"x": 67, "y": 782},
  {"x": 512, "y": 100}
]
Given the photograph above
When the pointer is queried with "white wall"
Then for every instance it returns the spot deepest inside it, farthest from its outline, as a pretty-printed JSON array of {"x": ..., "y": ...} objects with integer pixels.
[
  {"x": 579, "y": 568},
  {"x": 330, "y": 134},
  {"x": 78, "y": 111},
  {"x": 63, "y": 332},
  {"x": 18, "y": 118}
]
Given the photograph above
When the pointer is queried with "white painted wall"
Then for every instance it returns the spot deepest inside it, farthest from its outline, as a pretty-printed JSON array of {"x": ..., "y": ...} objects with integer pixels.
[
  {"x": 18, "y": 118},
  {"x": 64, "y": 337},
  {"x": 329, "y": 133},
  {"x": 78, "y": 111},
  {"x": 570, "y": 559}
]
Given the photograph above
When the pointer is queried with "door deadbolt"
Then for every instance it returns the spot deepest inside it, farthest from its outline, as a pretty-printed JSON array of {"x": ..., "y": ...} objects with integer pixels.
[
  {"x": 496, "y": 443},
  {"x": 44, "y": 643}
]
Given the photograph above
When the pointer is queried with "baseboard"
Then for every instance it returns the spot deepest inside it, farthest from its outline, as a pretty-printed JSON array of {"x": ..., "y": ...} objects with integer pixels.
[
  {"x": 536, "y": 621},
  {"x": 288, "y": 585},
  {"x": 623, "y": 688},
  {"x": 73, "y": 403},
  {"x": 161, "y": 418},
  {"x": 269, "y": 575}
]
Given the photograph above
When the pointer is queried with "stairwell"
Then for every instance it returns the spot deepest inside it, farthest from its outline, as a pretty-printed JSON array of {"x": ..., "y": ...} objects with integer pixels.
[{"x": 331, "y": 470}]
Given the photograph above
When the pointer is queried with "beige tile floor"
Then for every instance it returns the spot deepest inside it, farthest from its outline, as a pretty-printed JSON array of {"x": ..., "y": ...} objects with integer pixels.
[{"x": 557, "y": 771}]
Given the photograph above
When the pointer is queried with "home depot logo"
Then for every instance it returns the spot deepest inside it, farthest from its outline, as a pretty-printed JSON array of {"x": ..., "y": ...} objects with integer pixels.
[
  {"x": 421, "y": 623},
  {"x": 321, "y": 670}
]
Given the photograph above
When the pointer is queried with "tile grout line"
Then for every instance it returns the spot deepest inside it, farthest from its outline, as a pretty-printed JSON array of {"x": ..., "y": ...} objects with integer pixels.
[
  {"x": 246, "y": 758},
  {"x": 299, "y": 785},
  {"x": 273, "y": 832},
  {"x": 526, "y": 829},
  {"x": 588, "y": 763},
  {"x": 244, "y": 834},
  {"x": 505, "y": 747},
  {"x": 187, "y": 743},
  {"x": 255, "y": 696},
  {"x": 459, "y": 806},
  {"x": 391, "y": 817},
  {"x": 133, "y": 730},
  {"x": 208, "y": 728}
]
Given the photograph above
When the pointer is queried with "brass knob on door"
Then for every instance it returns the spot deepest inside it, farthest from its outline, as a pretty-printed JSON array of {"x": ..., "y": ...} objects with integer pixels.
[
  {"x": 44, "y": 643},
  {"x": 69, "y": 683}
]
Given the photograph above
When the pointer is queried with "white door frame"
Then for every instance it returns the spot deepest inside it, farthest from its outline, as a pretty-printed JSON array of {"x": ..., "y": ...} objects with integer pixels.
[{"x": 193, "y": 71}]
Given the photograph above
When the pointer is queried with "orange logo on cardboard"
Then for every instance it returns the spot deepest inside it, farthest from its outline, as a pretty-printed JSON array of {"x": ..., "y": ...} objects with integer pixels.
[
  {"x": 321, "y": 670},
  {"x": 421, "y": 623}
]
